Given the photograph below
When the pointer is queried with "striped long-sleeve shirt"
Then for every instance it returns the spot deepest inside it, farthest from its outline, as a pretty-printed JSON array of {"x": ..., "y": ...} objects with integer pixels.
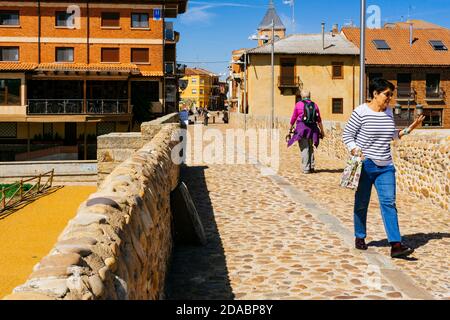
[{"x": 372, "y": 132}]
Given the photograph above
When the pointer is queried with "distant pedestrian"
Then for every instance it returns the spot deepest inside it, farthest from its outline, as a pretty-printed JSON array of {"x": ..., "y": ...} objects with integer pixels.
[
  {"x": 184, "y": 115},
  {"x": 308, "y": 131},
  {"x": 369, "y": 133},
  {"x": 206, "y": 116}
]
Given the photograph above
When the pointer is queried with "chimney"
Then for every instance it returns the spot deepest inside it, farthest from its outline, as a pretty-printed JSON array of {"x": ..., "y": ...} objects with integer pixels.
[
  {"x": 335, "y": 29},
  {"x": 411, "y": 32},
  {"x": 323, "y": 35}
]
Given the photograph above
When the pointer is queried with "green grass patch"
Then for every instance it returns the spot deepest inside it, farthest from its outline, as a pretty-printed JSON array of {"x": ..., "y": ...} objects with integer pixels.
[{"x": 15, "y": 187}]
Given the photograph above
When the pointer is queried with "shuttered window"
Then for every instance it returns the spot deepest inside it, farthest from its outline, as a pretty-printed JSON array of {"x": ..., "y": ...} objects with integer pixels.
[
  {"x": 110, "y": 19},
  {"x": 110, "y": 55},
  {"x": 140, "y": 55},
  {"x": 338, "y": 70},
  {"x": 338, "y": 106}
]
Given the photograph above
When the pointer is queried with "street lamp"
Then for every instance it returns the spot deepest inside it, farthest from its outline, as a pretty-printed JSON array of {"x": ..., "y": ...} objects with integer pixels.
[
  {"x": 419, "y": 109},
  {"x": 362, "y": 98}
]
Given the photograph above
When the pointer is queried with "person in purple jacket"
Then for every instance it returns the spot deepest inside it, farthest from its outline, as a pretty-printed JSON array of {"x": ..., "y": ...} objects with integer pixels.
[{"x": 308, "y": 131}]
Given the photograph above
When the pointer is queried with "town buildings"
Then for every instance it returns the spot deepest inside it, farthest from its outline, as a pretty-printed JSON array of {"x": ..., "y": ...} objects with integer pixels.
[
  {"x": 326, "y": 64},
  {"x": 203, "y": 89},
  {"x": 415, "y": 57},
  {"x": 73, "y": 70}
]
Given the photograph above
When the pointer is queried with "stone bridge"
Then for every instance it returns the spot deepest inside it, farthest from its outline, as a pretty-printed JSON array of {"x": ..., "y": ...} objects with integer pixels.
[{"x": 270, "y": 234}]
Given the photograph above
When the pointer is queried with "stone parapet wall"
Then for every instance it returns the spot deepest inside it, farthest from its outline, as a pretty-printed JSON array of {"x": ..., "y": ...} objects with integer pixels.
[
  {"x": 119, "y": 243},
  {"x": 422, "y": 159},
  {"x": 115, "y": 148}
]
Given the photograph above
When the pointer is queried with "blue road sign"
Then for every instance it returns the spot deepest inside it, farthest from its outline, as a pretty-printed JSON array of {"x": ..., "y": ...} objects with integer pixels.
[{"x": 156, "y": 14}]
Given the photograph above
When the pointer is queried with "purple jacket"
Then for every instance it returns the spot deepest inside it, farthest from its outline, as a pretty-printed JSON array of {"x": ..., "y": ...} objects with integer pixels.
[{"x": 303, "y": 130}]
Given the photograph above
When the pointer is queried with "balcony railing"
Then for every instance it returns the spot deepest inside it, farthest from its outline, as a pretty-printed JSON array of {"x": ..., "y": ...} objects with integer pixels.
[
  {"x": 406, "y": 93},
  {"x": 289, "y": 82},
  {"x": 75, "y": 106},
  {"x": 107, "y": 106},
  {"x": 435, "y": 94},
  {"x": 55, "y": 106}
]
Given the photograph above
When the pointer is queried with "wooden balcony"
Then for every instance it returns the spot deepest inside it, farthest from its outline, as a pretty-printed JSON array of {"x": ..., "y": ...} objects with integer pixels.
[{"x": 289, "y": 82}]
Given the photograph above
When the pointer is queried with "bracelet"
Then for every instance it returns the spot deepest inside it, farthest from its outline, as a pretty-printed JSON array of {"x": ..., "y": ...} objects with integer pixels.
[{"x": 406, "y": 131}]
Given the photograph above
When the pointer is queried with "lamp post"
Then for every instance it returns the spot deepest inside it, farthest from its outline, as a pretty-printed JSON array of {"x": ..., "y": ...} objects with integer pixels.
[
  {"x": 362, "y": 98},
  {"x": 419, "y": 109}
]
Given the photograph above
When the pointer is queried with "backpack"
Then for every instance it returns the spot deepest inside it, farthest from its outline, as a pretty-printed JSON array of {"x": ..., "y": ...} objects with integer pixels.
[{"x": 310, "y": 115}]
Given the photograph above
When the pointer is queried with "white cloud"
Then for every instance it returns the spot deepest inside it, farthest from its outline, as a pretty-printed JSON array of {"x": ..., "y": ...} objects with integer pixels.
[{"x": 200, "y": 12}]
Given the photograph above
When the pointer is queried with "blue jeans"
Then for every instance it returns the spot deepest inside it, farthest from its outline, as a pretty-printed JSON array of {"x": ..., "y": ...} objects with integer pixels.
[{"x": 384, "y": 180}]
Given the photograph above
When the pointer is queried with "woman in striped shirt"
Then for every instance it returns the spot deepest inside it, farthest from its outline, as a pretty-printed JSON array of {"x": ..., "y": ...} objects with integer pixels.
[{"x": 369, "y": 133}]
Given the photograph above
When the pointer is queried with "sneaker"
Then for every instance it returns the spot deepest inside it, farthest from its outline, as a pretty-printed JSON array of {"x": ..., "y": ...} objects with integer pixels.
[
  {"x": 306, "y": 172},
  {"x": 398, "y": 250},
  {"x": 360, "y": 244}
]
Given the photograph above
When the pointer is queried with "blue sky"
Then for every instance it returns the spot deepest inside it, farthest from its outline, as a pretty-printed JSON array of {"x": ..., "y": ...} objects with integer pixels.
[{"x": 211, "y": 29}]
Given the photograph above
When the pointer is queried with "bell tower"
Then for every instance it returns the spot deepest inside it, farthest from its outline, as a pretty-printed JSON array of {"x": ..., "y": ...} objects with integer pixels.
[{"x": 265, "y": 27}]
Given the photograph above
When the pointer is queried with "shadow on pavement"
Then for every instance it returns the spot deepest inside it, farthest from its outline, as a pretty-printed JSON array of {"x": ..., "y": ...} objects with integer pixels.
[
  {"x": 413, "y": 240},
  {"x": 27, "y": 201},
  {"x": 329, "y": 171},
  {"x": 196, "y": 272}
]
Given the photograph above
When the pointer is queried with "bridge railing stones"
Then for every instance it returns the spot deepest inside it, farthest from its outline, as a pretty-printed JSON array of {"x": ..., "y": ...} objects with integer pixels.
[
  {"x": 422, "y": 159},
  {"x": 119, "y": 244}
]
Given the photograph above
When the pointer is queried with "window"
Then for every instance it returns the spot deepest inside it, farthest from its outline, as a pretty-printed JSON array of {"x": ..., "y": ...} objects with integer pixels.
[
  {"x": 140, "y": 55},
  {"x": 194, "y": 80},
  {"x": 139, "y": 20},
  {"x": 10, "y": 92},
  {"x": 338, "y": 70},
  {"x": 433, "y": 83},
  {"x": 9, "y": 53},
  {"x": 110, "y": 19},
  {"x": 169, "y": 67},
  {"x": 64, "y": 54},
  {"x": 9, "y": 18},
  {"x": 168, "y": 31},
  {"x": 202, "y": 91},
  {"x": 63, "y": 18},
  {"x": 338, "y": 106},
  {"x": 194, "y": 91},
  {"x": 110, "y": 55},
  {"x": 404, "y": 89},
  {"x": 8, "y": 130},
  {"x": 202, "y": 81},
  {"x": 438, "y": 45},
  {"x": 287, "y": 71},
  {"x": 381, "y": 45},
  {"x": 433, "y": 118}
]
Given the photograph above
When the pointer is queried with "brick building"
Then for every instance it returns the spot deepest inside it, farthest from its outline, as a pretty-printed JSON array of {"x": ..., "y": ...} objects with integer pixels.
[
  {"x": 73, "y": 70},
  {"x": 415, "y": 57}
]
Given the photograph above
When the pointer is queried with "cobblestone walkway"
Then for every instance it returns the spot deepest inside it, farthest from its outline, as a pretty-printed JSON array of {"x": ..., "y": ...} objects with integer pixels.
[{"x": 289, "y": 236}]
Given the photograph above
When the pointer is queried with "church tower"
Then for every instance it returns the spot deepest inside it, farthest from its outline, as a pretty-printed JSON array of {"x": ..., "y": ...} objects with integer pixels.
[{"x": 265, "y": 27}]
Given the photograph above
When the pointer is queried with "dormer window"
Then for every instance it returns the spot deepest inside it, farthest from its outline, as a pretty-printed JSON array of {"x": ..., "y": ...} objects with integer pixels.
[
  {"x": 438, "y": 45},
  {"x": 381, "y": 45}
]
